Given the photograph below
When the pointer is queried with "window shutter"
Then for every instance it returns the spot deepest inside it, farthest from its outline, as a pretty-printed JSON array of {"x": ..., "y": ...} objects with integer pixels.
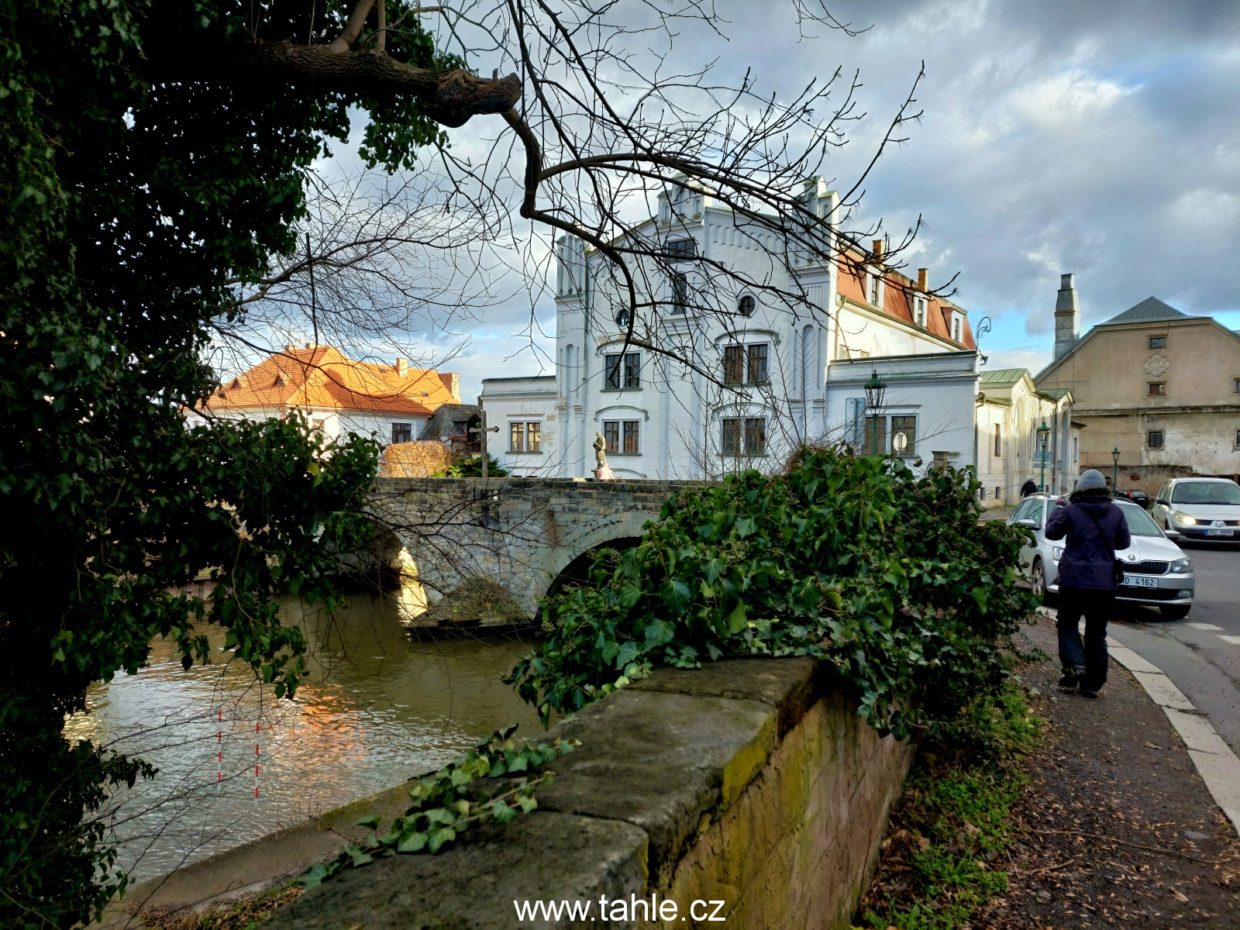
[{"x": 855, "y": 426}]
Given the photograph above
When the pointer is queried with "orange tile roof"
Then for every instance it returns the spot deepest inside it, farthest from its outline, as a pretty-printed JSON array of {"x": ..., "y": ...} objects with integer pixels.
[
  {"x": 897, "y": 302},
  {"x": 323, "y": 378}
]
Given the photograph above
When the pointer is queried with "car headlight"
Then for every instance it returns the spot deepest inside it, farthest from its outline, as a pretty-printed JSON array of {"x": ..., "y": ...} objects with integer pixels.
[
  {"x": 1180, "y": 567},
  {"x": 1057, "y": 553},
  {"x": 1181, "y": 517}
]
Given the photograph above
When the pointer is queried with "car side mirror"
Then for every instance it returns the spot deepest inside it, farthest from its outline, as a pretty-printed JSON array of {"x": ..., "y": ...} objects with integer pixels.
[
  {"x": 1159, "y": 500},
  {"x": 1027, "y": 524},
  {"x": 1172, "y": 534}
]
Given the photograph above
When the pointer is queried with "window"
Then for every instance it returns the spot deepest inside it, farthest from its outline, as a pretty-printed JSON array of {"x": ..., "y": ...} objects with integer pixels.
[
  {"x": 748, "y": 364},
  {"x": 401, "y": 432},
  {"x": 632, "y": 370},
  {"x": 874, "y": 288},
  {"x": 1158, "y": 342},
  {"x": 733, "y": 364},
  {"x": 1154, "y": 439},
  {"x": 1157, "y": 388},
  {"x": 622, "y": 319},
  {"x": 525, "y": 436},
  {"x": 908, "y": 427},
  {"x": 757, "y": 363},
  {"x": 743, "y": 436},
  {"x": 680, "y": 292},
  {"x": 920, "y": 306},
  {"x": 622, "y": 370},
  {"x": 998, "y": 441},
  {"x": 875, "y": 435},
  {"x": 629, "y": 431},
  {"x": 1238, "y": 385},
  {"x": 622, "y": 437},
  {"x": 956, "y": 328},
  {"x": 681, "y": 248},
  {"x": 1238, "y": 439},
  {"x": 745, "y": 306}
]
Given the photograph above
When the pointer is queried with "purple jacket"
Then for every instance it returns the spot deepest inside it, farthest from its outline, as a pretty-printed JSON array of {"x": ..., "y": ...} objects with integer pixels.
[{"x": 1094, "y": 530}]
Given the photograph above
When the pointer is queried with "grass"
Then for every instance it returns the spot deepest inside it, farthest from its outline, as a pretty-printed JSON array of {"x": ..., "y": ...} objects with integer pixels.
[{"x": 941, "y": 858}]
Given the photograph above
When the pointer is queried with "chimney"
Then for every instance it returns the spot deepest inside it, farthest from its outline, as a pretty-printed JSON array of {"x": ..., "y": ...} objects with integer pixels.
[
  {"x": 1066, "y": 317},
  {"x": 923, "y": 279},
  {"x": 454, "y": 387},
  {"x": 401, "y": 367},
  {"x": 878, "y": 250}
]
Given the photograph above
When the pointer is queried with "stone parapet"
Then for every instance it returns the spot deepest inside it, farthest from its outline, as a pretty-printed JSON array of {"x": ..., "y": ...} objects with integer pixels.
[{"x": 750, "y": 782}]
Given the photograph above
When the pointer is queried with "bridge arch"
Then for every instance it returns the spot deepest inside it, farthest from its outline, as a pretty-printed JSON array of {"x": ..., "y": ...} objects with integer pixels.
[{"x": 619, "y": 527}]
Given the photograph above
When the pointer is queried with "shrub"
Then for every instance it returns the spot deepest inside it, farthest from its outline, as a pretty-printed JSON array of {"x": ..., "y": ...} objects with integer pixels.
[{"x": 888, "y": 577}]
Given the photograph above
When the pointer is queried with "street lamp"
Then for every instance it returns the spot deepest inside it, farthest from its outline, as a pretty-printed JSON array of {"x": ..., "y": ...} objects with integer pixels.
[
  {"x": 1043, "y": 433},
  {"x": 875, "y": 388},
  {"x": 1115, "y": 469}
]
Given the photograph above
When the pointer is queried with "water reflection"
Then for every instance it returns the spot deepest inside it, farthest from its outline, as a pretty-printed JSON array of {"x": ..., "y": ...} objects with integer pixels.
[{"x": 236, "y": 764}]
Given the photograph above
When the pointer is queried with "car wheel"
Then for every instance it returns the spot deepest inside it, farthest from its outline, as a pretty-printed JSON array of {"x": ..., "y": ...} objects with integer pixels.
[
  {"x": 1177, "y": 612},
  {"x": 1038, "y": 580}
]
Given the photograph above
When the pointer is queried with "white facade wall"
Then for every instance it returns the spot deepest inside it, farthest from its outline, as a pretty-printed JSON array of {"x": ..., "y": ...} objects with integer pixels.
[
  {"x": 512, "y": 405},
  {"x": 939, "y": 392},
  {"x": 862, "y": 333},
  {"x": 334, "y": 424}
]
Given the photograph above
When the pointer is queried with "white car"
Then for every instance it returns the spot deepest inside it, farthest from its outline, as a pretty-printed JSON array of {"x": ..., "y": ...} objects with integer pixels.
[
  {"x": 1200, "y": 509},
  {"x": 1157, "y": 573}
]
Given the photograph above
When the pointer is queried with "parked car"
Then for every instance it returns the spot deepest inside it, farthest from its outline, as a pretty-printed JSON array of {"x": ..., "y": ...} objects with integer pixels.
[
  {"x": 1157, "y": 573},
  {"x": 1136, "y": 495},
  {"x": 1202, "y": 509}
]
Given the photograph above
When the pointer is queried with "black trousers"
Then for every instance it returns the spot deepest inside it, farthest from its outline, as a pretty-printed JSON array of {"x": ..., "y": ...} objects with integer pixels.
[{"x": 1096, "y": 607}]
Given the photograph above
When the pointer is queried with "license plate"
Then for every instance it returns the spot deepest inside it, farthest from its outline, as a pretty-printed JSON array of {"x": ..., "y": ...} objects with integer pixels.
[
  {"x": 1213, "y": 532},
  {"x": 1136, "y": 581}
]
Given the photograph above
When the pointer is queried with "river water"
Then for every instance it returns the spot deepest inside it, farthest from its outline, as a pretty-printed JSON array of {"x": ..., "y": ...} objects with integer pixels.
[{"x": 236, "y": 764}]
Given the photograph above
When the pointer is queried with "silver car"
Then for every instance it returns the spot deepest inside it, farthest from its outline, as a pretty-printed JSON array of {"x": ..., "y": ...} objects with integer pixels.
[
  {"x": 1158, "y": 574},
  {"x": 1200, "y": 509}
]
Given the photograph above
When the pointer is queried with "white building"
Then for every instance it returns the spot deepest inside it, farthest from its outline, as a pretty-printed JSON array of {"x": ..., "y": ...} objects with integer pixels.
[{"x": 767, "y": 371}]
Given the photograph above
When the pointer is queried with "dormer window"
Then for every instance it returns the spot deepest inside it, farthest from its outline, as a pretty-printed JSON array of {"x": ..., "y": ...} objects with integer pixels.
[
  {"x": 957, "y": 326},
  {"x": 921, "y": 306},
  {"x": 874, "y": 287}
]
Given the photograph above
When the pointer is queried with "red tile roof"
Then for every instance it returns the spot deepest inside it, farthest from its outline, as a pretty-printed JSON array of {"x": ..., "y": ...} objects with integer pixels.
[
  {"x": 323, "y": 378},
  {"x": 898, "y": 302}
]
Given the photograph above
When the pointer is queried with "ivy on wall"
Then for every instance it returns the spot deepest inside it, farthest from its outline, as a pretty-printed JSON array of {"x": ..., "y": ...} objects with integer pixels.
[{"x": 853, "y": 559}]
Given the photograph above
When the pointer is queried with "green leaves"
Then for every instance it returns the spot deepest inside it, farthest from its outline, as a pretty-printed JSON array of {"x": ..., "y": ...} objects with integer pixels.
[
  {"x": 494, "y": 782},
  {"x": 851, "y": 559}
]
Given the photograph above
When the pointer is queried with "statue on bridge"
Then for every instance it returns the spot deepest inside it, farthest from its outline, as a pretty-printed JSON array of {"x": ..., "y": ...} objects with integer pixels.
[{"x": 602, "y": 471}]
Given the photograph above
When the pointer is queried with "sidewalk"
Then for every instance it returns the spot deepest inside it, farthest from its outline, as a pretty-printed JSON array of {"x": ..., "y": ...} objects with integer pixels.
[{"x": 1117, "y": 828}]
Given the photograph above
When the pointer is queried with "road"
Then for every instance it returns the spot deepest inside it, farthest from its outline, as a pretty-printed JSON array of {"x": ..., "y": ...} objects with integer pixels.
[{"x": 1200, "y": 654}]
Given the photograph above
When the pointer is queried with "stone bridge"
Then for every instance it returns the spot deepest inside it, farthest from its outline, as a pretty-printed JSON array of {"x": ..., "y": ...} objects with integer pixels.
[{"x": 486, "y": 550}]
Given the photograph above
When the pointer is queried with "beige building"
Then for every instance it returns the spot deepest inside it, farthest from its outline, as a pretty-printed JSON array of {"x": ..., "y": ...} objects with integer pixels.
[
  {"x": 1156, "y": 386},
  {"x": 1023, "y": 434}
]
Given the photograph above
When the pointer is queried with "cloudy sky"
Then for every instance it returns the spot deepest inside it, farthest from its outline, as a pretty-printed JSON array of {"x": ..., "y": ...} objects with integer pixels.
[{"x": 1098, "y": 137}]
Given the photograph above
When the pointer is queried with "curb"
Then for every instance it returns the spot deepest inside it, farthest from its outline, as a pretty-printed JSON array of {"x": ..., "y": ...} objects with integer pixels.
[{"x": 1215, "y": 762}]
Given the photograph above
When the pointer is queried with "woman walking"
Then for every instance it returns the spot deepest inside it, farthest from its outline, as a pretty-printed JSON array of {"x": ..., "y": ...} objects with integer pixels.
[{"x": 1094, "y": 528}]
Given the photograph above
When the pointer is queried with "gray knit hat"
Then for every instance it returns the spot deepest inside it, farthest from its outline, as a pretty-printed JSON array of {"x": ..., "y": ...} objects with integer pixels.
[{"x": 1091, "y": 480}]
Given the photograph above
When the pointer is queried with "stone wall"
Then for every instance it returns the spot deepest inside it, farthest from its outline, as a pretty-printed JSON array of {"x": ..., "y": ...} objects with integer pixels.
[
  {"x": 453, "y": 539},
  {"x": 751, "y": 783}
]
